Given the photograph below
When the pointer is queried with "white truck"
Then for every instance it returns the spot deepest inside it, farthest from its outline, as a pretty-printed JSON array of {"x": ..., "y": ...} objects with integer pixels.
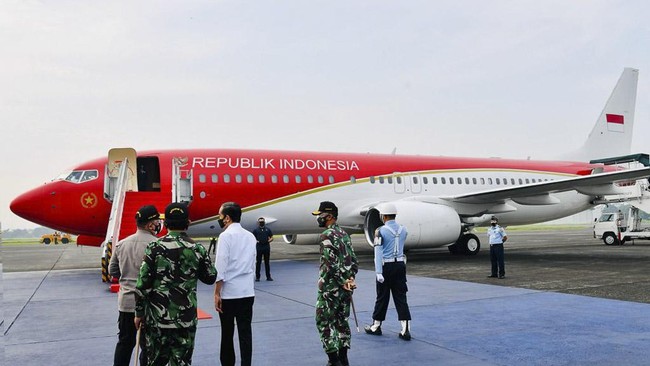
[{"x": 615, "y": 228}]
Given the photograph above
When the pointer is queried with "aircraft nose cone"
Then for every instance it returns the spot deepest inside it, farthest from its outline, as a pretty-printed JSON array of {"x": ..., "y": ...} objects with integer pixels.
[{"x": 29, "y": 205}]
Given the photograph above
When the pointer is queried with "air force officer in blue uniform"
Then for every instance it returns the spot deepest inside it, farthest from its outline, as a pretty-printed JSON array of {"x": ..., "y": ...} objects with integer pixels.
[{"x": 390, "y": 269}]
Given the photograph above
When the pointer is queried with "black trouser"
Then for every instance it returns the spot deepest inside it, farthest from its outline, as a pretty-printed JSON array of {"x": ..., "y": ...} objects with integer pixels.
[
  {"x": 394, "y": 282},
  {"x": 497, "y": 259},
  {"x": 263, "y": 253},
  {"x": 242, "y": 311},
  {"x": 126, "y": 341}
]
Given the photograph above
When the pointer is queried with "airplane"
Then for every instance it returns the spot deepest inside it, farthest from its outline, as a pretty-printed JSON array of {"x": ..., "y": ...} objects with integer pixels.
[{"x": 439, "y": 199}]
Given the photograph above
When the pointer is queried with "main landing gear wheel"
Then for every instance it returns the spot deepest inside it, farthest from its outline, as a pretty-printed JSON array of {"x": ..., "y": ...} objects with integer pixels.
[{"x": 468, "y": 244}]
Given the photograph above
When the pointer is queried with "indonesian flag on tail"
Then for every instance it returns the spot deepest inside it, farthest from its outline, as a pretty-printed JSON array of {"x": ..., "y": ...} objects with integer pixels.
[{"x": 615, "y": 122}]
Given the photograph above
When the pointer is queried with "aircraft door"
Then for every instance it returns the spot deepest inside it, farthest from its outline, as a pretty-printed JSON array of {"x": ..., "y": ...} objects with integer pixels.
[
  {"x": 416, "y": 183},
  {"x": 182, "y": 182},
  {"x": 399, "y": 182},
  {"x": 148, "y": 174},
  {"x": 115, "y": 158}
]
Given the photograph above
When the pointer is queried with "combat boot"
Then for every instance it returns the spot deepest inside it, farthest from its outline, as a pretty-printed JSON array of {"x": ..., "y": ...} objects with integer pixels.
[
  {"x": 343, "y": 356},
  {"x": 333, "y": 359}
]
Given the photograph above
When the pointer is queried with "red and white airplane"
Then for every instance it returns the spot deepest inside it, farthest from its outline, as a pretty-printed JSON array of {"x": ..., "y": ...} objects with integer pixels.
[{"x": 439, "y": 199}]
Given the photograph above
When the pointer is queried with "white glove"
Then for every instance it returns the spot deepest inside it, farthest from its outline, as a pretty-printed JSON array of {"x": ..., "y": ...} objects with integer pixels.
[{"x": 380, "y": 278}]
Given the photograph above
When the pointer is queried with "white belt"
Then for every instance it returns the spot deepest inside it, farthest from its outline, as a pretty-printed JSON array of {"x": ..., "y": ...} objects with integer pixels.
[{"x": 392, "y": 260}]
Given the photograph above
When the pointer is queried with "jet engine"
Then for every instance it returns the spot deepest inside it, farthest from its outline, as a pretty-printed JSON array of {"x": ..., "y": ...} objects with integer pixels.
[
  {"x": 429, "y": 225},
  {"x": 302, "y": 239}
]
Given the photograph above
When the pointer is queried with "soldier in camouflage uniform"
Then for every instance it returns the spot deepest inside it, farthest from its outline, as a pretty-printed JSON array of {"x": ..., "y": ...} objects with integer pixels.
[
  {"x": 166, "y": 291},
  {"x": 338, "y": 267}
]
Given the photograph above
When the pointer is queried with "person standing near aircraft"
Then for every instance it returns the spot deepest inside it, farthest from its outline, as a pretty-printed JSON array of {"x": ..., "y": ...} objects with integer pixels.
[
  {"x": 338, "y": 267},
  {"x": 234, "y": 291},
  {"x": 264, "y": 238},
  {"x": 125, "y": 265},
  {"x": 390, "y": 269},
  {"x": 497, "y": 236},
  {"x": 166, "y": 290}
]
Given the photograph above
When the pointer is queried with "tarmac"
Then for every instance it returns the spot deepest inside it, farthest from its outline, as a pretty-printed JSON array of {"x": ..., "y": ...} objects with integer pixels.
[{"x": 68, "y": 317}]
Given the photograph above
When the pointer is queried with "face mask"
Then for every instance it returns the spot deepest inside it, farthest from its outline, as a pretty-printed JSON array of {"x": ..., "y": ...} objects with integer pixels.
[
  {"x": 261, "y": 224},
  {"x": 322, "y": 221},
  {"x": 220, "y": 222},
  {"x": 494, "y": 224}
]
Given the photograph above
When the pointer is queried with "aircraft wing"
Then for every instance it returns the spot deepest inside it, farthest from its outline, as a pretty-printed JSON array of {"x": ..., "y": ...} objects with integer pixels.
[{"x": 539, "y": 193}]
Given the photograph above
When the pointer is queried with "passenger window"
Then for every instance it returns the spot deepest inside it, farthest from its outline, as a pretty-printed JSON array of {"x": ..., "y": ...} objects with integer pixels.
[
  {"x": 398, "y": 179},
  {"x": 215, "y": 178},
  {"x": 202, "y": 178},
  {"x": 498, "y": 181},
  {"x": 274, "y": 178},
  {"x": 459, "y": 180},
  {"x": 310, "y": 179},
  {"x": 285, "y": 178},
  {"x": 434, "y": 180},
  {"x": 381, "y": 180},
  {"x": 331, "y": 179},
  {"x": 226, "y": 178},
  {"x": 425, "y": 180},
  {"x": 490, "y": 181},
  {"x": 527, "y": 181},
  {"x": 261, "y": 178},
  {"x": 442, "y": 180},
  {"x": 320, "y": 179},
  {"x": 238, "y": 178},
  {"x": 474, "y": 181},
  {"x": 512, "y": 181},
  {"x": 415, "y": 180},
  {"x": 298, "y": 179},
  {"x": 389, "y": 179},
  {"x": 250, "y": 179},
  {"x": 372, "y": 179},
  {"x": 451, "y": 180},
  {"x": 483, "y": 181},
  {"x": 353, "y": 179}
]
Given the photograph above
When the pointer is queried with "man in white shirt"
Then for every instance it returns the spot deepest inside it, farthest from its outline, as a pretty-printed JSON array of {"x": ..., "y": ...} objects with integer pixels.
[{"x": 234, "y": 291}]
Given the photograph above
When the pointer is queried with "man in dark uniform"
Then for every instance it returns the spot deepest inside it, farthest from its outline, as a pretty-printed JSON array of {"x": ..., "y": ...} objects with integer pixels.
[
  {"x": 264, "y": 237},
  {"x": 166, "y": 290},
  {"x": 390, "y": 269},
  {"x": 338, "y": 267}
]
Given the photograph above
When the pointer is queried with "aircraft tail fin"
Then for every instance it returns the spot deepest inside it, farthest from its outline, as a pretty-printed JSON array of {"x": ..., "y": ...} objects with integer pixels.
[{"x": 612, "y": 133}]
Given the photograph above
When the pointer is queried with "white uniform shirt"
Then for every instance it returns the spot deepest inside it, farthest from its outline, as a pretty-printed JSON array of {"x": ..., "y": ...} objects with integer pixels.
[
  {"x": 235, "y": 262},
  {"x": 496, "y": 234}
]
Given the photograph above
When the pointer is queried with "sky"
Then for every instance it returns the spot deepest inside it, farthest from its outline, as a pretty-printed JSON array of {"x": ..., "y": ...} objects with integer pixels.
[{"x": 512, "y": 79}]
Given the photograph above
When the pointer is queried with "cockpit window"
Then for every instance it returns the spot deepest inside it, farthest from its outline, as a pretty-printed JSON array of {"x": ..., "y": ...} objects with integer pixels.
[{"x": 79, "y": 176}]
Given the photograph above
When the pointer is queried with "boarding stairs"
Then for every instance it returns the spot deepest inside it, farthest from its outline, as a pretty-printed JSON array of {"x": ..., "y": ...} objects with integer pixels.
[{"x": 120, "y": 187}]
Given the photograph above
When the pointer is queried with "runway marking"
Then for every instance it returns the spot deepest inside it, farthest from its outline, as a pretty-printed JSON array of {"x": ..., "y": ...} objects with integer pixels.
[{"x": 34, "y": 293}]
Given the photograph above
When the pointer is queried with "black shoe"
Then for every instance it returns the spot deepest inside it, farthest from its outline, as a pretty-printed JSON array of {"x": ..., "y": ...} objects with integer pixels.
[
  {"x": 502, "y": 277},
  {"x": 368, "y": 329},
  {"x": 492, "y": 276},
  {"x": 406, "y": 336},
  {"x": 269, "y": 279},
  {"x": 257, "y": 280}
]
